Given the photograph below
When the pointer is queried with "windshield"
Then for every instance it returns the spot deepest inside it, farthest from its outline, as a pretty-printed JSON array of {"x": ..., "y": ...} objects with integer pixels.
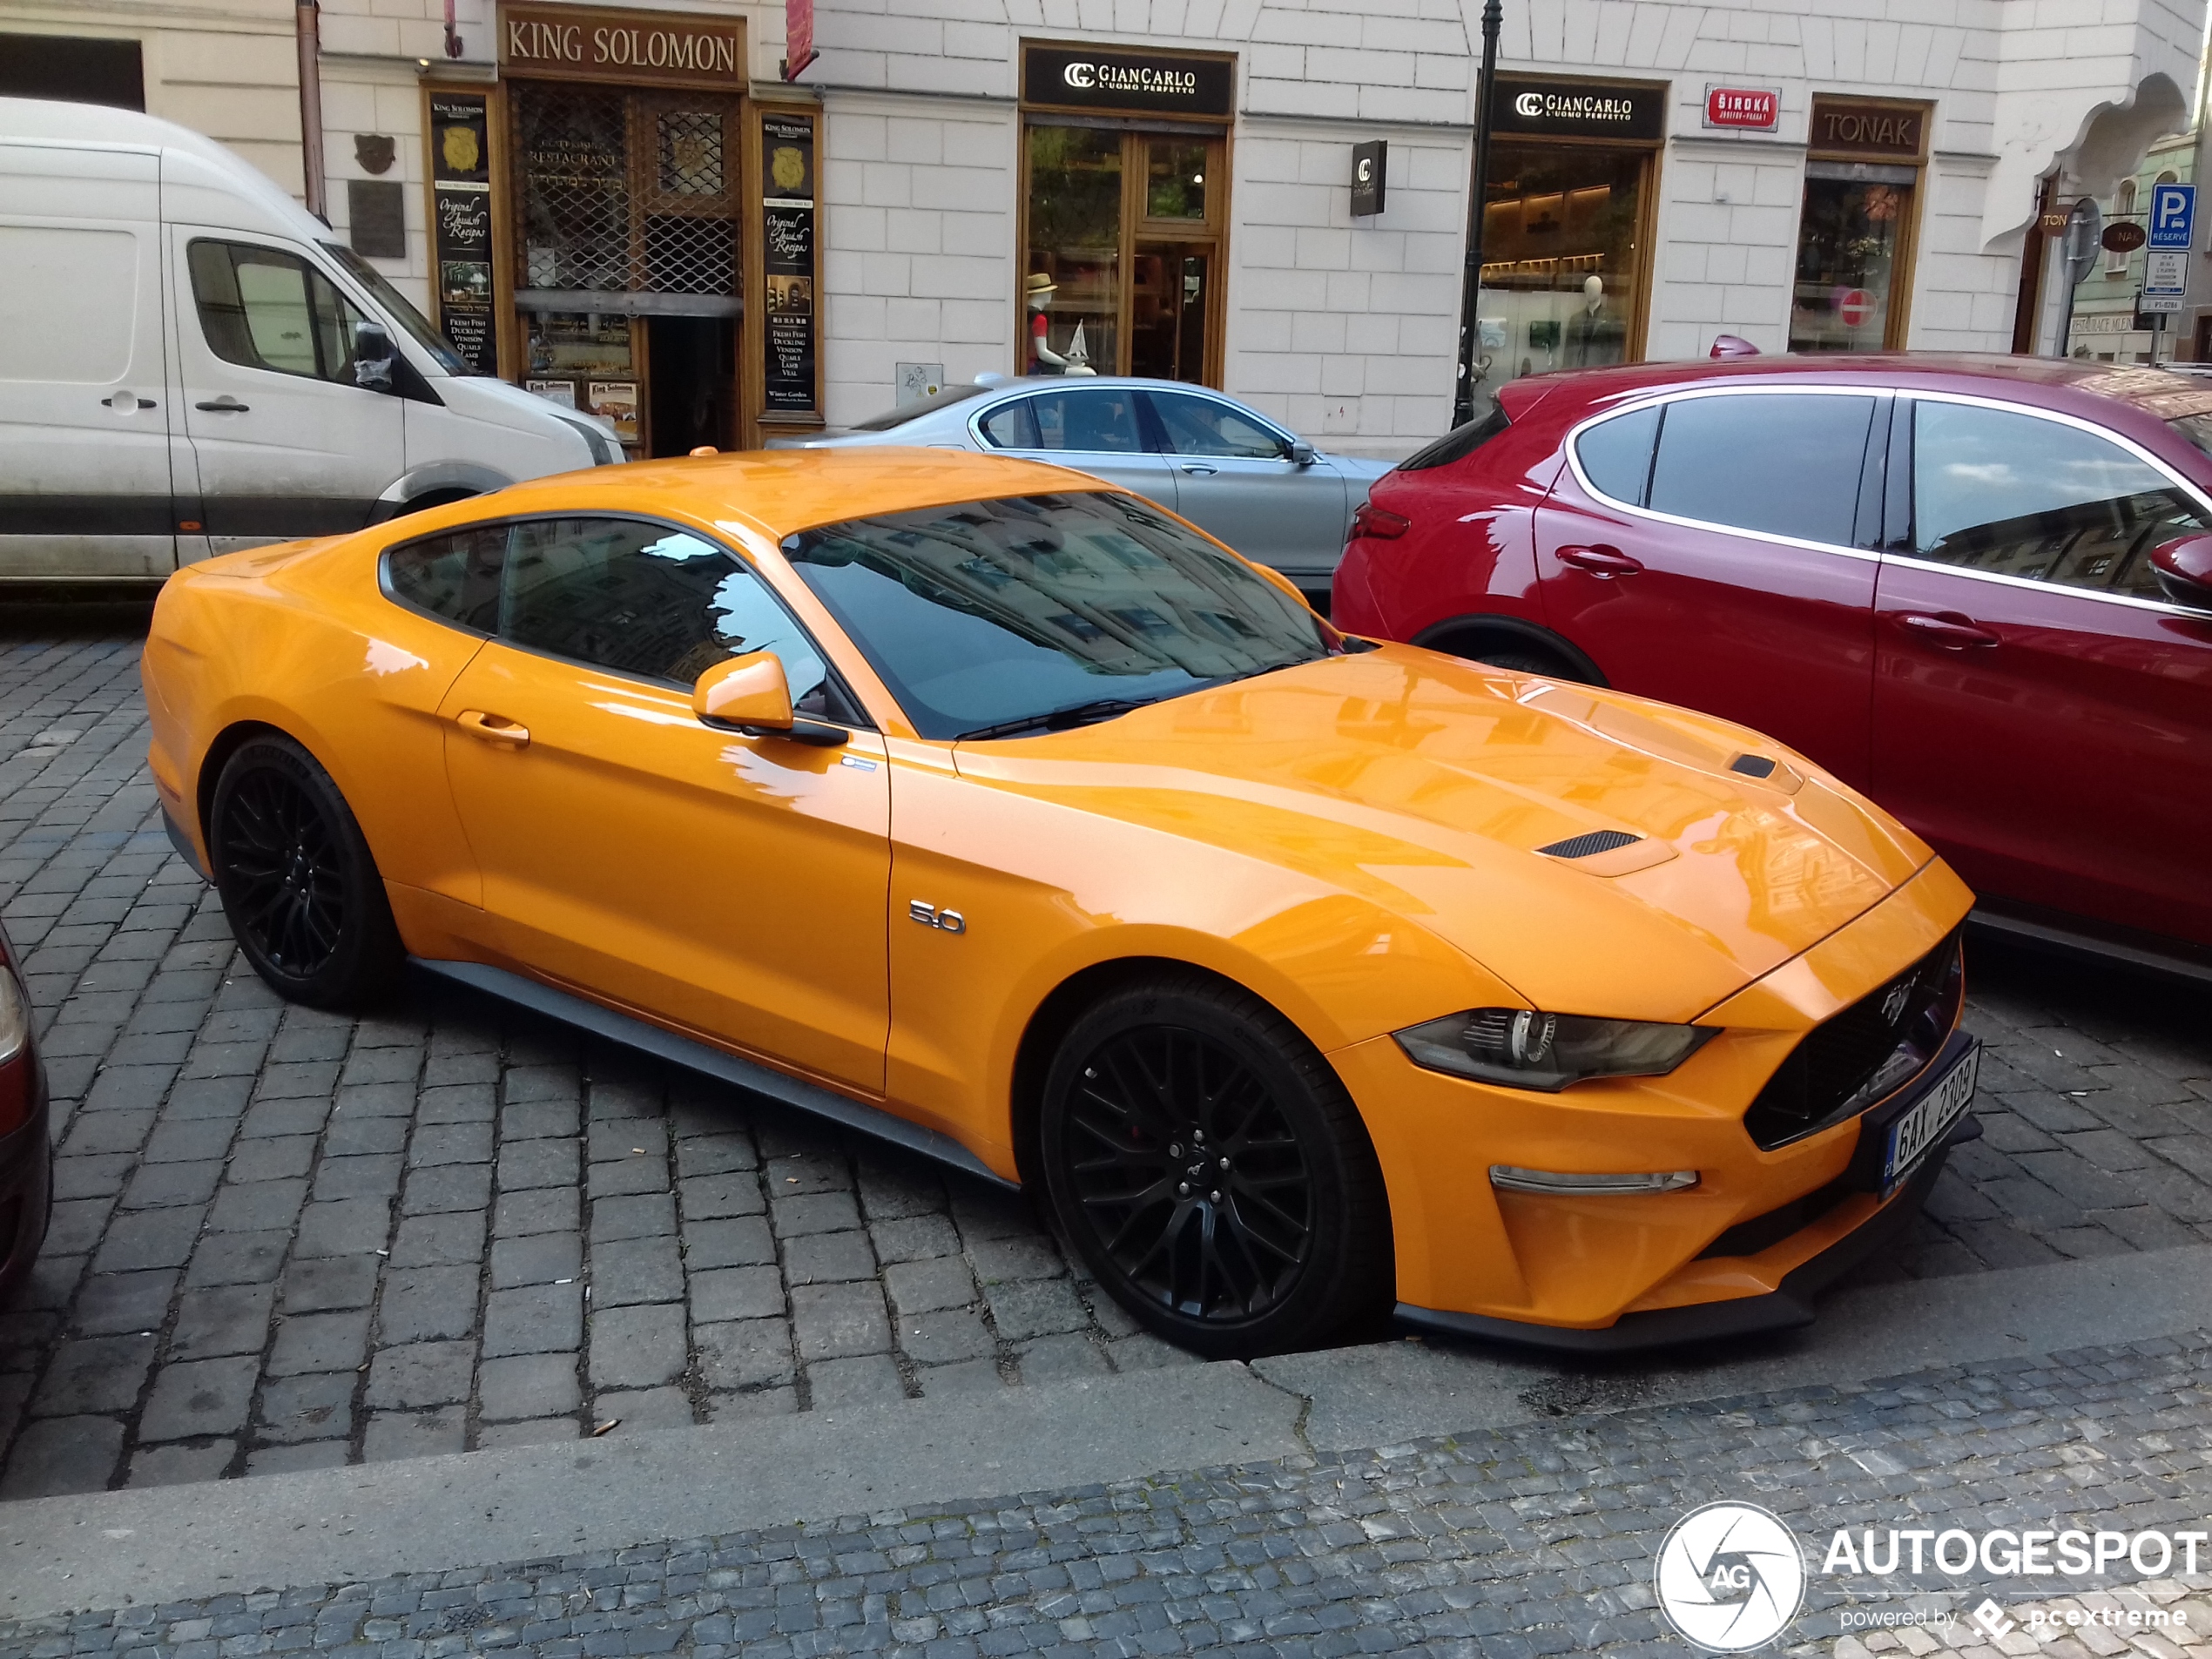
[
  {"x": 919, "y": 407},
  {"x": 1031, "y": 606},
  {"x": 396, "y": 307}
]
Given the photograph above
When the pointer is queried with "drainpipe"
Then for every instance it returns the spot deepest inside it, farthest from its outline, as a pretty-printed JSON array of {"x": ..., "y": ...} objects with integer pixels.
[{"x": 306, "y": 23}]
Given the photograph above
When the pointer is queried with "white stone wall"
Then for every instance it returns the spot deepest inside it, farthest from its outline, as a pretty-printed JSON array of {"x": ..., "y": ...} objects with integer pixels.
[
  {"x": 918, "y": 224},
  {"x": 1343, "y": 326}
]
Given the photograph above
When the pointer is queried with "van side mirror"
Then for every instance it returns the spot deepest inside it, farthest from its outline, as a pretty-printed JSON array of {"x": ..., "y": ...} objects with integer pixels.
[
  {"x": 750, "y": 694},
  {"x": 372, "y": 355},
  {"x": 1302, "y": 453},
  {"x": 2183, "y": 566}
]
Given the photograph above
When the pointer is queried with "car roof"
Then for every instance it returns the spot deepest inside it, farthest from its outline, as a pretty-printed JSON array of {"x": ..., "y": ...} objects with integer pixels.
[
  {"x": 782, "y": 490},
  {"x": 2073, "y": 385}
]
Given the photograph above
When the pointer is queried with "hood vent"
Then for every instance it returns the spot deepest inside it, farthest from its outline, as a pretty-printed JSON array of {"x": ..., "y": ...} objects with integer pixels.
[
  {"x": 1752, "y": 765},
  {"x": 1583, "y": 846}
]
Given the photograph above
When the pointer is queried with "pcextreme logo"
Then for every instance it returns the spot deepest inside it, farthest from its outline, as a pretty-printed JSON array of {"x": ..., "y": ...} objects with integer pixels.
[{"x": 1729, "y": 1577}]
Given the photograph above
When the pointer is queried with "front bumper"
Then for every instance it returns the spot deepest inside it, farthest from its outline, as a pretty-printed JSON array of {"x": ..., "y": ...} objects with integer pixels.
[
  {"x": 1789, "y": 1306},
  {"x": 1598, "y": 1271}
]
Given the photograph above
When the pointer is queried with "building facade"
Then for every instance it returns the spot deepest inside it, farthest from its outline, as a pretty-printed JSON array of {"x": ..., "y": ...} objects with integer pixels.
[{"x": 634, "y": 209}]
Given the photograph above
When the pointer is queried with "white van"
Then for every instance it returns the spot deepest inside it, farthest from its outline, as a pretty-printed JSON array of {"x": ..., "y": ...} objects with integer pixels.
[{"x": 190, "y": 363}]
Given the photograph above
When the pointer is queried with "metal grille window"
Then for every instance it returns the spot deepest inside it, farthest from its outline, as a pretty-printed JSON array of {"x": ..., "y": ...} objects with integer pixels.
[{"x": 626, "y": 192}]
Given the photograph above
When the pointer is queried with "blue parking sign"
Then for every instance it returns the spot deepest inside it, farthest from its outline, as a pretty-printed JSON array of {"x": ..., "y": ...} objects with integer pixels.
[{"x": 2173, "y": 216}]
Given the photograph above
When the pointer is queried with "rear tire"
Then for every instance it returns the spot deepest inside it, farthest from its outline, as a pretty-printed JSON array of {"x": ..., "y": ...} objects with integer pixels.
[
  {"x": 1208, "y": 1168},
  {"x": 300, "y": 889}
]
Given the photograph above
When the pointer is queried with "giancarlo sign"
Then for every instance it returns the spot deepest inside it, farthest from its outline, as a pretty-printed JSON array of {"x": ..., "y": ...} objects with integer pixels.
[
  {"x": 1579, "y": 109},
  {"x": 1148, "y": 83}
]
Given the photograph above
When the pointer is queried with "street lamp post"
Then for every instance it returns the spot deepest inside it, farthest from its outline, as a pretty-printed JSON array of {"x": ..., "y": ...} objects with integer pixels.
[{"x": 1471, "y": 286}]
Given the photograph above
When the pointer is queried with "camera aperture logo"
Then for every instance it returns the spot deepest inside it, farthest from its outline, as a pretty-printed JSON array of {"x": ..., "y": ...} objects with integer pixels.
[{"x": 1729, "y": 1577}]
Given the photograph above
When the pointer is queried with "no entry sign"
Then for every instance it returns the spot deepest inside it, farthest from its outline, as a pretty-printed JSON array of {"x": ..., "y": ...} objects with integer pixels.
[{"x": 1854, "y": 306}]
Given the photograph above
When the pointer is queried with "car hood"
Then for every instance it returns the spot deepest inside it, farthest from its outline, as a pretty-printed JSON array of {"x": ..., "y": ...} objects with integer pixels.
[{"x": 1426, "y": 786}]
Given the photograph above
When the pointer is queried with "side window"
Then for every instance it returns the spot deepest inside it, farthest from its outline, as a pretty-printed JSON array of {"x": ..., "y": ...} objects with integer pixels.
[
  {"x": 1013, "y": 427},
  {"x": 1099, "y": 419},
  {"x": 1993, "y": 489},
  {"x": 453, "y": 576},
  {"x": 265, "y": 310},
  {"x": 1779, "y": 462},
  {"x": 1199, "y": 425},
  {"x": 645, "y": 600},
  {"x": 1616, "y": 455}
]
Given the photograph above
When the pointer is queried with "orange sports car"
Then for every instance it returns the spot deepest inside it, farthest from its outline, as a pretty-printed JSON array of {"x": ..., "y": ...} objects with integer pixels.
[{"x": 986, "y": 808}]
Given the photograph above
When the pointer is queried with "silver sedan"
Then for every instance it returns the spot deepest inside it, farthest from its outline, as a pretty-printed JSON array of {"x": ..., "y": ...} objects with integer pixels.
[{"x": 1229, "y": 469}]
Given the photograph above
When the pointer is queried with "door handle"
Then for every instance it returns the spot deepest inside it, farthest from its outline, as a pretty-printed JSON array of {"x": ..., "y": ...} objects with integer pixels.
[
  {"x": 224, "y": 405},
  {"x": 493, "y": 728},
  {"x": 1947, "y": 629},
  {"x": 1201, "y": 471},
  {"x": 124, "y": 402},
  {"x": 1604, "y": 563}
]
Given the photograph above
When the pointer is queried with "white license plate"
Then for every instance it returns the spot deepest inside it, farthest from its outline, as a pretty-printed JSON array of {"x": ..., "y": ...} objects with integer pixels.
[{"x": 1924, "y": 1126}]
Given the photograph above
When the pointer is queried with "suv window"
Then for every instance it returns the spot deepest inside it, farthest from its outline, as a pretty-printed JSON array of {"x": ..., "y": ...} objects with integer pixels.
[
  {"x": 453, "y": 576},
  {"x": 645, "y": 600},
  {"x": 1993, "y": 489},
  {"x": 1100, "y": 419},
  {"x": 265, "y": 310},
  {"x": 1781, "y": 463},
  {"x": 1199, "y": 425},
  {"x": 1616, "y": 455}
]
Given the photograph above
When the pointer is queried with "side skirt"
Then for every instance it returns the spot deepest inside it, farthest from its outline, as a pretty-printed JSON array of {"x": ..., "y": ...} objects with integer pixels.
[{"x": 697, "y": 1056}]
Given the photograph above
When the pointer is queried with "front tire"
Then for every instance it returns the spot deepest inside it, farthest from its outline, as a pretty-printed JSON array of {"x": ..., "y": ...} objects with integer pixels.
[
  {"x": 299, "y": 886},
  {"x": 1207, "y": 1166}
]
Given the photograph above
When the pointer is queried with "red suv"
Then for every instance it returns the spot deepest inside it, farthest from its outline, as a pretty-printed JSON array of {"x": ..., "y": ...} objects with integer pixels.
[{"x": 1977, "y": 588}]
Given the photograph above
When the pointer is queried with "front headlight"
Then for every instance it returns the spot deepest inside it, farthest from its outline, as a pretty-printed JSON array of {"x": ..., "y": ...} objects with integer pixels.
[
  {"x": 1523, "y": 1049},
  {"x": 14, "y": 1019}
]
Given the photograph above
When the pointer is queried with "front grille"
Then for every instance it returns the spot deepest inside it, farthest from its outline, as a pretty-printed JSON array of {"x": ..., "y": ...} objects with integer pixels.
[{"x": 1866, "y": 1053}]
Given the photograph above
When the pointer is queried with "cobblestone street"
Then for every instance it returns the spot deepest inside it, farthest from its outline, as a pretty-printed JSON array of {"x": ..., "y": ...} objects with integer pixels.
[
  {"x": 285, "y": 1239},
  {"x": 1536, "y": 1540}
]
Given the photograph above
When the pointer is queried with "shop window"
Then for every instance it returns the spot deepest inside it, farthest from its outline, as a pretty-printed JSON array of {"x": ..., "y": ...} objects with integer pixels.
[
  {"x": 1854, "y": 229},
  {"x": 1123, "y": 237},
  {"x": 1563, "y": 271}
]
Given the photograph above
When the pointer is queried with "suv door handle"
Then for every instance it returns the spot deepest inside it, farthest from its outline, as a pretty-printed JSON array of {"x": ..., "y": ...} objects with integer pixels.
[
  {"x": 1201, "y": 470},
  {"x": 224, "y": 405},
  {"x": 493, "y": 728},
  {"x": 1605, "y": 562},
  {"x": 1947, "y": 629}
]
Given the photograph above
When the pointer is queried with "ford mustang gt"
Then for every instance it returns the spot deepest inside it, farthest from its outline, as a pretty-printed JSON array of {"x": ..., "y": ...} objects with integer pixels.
[{"x": 999, "y": 812}]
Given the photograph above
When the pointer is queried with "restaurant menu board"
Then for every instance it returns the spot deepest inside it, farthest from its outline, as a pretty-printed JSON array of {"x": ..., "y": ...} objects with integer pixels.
[
  {"x": 789, "y": 316},
  {"x": 461, "y": 225}
]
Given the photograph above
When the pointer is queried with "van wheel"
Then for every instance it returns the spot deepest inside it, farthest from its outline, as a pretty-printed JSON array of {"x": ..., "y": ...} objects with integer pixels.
[
  {"x": 1208, "y": 1168},
  {"x": 302, "y": 893}
]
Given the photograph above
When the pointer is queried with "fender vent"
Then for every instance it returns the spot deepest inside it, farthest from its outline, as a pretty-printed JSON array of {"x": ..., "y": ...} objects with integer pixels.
[
  {"x": 1583, "y": 846},
  {"x": 1752, "y": 765}
]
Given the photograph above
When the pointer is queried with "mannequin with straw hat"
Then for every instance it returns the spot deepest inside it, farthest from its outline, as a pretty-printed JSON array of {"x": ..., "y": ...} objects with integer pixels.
[{"x": 1037, "y": 289}]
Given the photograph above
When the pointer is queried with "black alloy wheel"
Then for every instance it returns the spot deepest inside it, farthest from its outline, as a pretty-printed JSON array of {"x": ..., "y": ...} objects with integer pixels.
[
  {"x": 301, "y": 891},
  {"x": 1209, "y": 1170}
]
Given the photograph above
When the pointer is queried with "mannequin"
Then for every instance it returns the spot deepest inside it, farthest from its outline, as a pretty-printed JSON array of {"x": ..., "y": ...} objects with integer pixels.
[
  {"x": 1590, "y": 339},
  {"x": 1037, "y": 290}
]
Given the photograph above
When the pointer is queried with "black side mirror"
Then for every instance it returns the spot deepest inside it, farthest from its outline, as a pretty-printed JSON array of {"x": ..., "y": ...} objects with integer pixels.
[
  {"x": 372, "y": 355},
  {"x": 2183, "y": 566},
  {"x": 1302, "y": 453}
]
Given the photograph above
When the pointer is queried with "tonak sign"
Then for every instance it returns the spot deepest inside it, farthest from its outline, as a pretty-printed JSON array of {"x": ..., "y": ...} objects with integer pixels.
[
  {"x": 1892, "y": 131},
  {"x": 576, "y": 43}
]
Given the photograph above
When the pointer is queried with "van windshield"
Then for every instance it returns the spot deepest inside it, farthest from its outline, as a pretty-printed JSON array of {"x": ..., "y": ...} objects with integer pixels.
[{"x": 395, "y": 307}]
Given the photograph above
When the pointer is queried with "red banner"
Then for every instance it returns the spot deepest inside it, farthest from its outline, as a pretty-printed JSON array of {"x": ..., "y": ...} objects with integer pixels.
[{"x": 799, "y": 36}]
